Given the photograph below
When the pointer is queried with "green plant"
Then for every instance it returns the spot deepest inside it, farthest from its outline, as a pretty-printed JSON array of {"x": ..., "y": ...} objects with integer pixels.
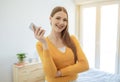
[{"x": 21, "y": 56}]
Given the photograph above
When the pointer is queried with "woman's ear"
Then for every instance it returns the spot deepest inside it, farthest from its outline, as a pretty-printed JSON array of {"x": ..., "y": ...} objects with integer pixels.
[
  {"x": 50, "y": 17},
  {"x": 50, "y": 20}
]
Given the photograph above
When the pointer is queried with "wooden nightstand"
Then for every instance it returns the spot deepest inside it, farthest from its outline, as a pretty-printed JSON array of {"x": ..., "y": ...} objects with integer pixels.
[{"x": 28, "y": 73}]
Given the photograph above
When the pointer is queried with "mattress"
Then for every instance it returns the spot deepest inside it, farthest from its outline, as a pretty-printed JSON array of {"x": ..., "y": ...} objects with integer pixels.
[{"x": 95, "y": 75}]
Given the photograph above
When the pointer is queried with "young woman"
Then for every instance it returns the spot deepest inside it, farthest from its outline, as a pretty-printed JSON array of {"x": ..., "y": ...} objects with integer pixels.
[{"x": 61, "y": 55}]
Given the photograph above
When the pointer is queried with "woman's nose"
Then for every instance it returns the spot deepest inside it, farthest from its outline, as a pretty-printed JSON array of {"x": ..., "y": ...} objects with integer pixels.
[{"x": 61, "y": 22}]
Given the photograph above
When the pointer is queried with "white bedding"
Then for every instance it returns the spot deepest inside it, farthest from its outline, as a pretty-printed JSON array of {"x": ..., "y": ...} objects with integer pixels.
[{"x": 94, "y": 75}]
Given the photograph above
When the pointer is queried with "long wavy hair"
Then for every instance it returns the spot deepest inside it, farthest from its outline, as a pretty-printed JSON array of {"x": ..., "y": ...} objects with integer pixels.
[{"x": 65, "y": 34}]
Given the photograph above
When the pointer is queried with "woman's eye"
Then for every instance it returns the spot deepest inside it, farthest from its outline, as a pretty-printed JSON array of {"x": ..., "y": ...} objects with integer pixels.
[
  {"x": 65, "y": 20},
  {"x": 58, "y": 18}
]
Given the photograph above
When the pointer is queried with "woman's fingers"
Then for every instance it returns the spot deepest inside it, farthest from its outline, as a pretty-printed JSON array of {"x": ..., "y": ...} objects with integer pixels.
[
  {"x": 34, "y": 29},
  {"x": 39, "y": 35},
  {"x": 42, "y": 33},
  {"x": 39, "y": 32}
]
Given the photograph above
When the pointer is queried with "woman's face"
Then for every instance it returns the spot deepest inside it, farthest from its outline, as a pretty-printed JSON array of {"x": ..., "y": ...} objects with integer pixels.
[{"x": 59, "y": 21}]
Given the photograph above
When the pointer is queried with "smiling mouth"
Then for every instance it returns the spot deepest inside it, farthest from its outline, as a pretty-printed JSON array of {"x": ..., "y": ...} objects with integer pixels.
[{"x": 60, "y": 27}]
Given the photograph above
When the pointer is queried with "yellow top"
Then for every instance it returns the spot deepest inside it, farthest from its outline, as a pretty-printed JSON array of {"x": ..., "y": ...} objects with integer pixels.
[{"x": 53, "y": 59}]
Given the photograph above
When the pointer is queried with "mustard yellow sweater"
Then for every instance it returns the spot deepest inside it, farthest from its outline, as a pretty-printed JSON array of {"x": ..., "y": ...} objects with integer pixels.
[{"x": 53, "y": 60}]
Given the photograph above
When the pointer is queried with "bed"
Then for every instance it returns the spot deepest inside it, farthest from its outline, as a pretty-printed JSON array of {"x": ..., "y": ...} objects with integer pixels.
[{"x": 95, "y": 75}]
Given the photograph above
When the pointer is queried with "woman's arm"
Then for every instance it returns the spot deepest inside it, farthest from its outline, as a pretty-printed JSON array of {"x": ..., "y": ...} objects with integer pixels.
[
  {"x": 44, "y": 53},
  {"x": 47, "y": 61},
  {"x": 80, "y": 66}
]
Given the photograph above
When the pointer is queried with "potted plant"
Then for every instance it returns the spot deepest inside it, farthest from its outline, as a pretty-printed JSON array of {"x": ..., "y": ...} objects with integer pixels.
[{"x": 21, "y": 57}]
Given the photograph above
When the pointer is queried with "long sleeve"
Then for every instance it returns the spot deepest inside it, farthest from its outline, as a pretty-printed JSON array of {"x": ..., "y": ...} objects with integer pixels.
[
  {"x": 80, "y": 66},
  {"x": 47, "y": 61}
]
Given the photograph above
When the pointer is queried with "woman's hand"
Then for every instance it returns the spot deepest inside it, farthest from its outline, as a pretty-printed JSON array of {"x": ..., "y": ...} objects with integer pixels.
[
  {"x": 39, "y": 35},
  {"x": 58, "y": 74}
]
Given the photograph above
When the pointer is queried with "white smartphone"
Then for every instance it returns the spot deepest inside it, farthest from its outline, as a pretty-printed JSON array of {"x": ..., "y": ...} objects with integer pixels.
[{"x": 32, "y": 25}]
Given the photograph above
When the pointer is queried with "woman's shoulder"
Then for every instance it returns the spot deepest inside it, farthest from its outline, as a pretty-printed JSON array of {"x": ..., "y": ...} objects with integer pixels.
[{"x": 73, "y": 37}]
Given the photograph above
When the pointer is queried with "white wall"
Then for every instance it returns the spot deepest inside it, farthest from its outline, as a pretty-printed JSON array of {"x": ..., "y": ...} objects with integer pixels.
[{"x": 15, "y": 36}]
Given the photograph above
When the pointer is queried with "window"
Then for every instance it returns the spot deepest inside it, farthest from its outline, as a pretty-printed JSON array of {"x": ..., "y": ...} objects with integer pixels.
[
  {"x": 108, "y": 37},
  {"x": 99, "y": 34},
  {"x": 88, "y": 24}
]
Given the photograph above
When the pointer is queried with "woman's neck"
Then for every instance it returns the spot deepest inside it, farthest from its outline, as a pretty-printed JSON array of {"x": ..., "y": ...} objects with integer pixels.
[{"x": 55, "y": 36}]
